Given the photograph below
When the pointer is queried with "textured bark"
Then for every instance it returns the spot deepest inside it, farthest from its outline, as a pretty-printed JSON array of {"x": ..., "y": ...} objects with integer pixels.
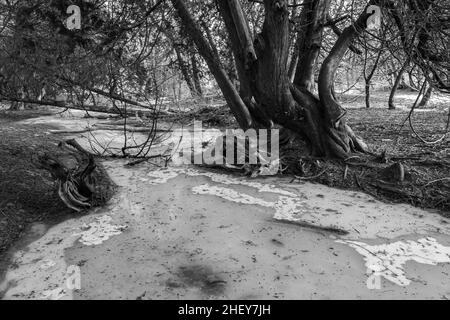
[
  {"x": 333, "y": 111},
  {"x": 245, "y": 57},
  {"x": 238, "y": 49},
  {"x": 338, "y": 32},
  {"x": 81, "y": 183},
  {"x": 309, "y": 41}
]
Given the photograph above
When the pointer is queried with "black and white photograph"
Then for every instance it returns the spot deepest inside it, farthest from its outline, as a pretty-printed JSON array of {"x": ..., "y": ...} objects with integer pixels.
[{"x": 228, "y": 156}]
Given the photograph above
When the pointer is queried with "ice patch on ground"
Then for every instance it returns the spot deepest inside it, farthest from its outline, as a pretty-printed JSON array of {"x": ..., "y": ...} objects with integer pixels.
[
  {"x": 55, "y": 294},
  {"x": 230, "y": 195},
  {"x": 47, "y": 264},
  {"x": 290, "y": 209},
  {"x": 359, "y": 215},
  {"x": 388, "y": 260},
  {"x": 99, "y": 231},
  {"x": 164, "y": 175},
  {"x": 286, "y": 208},
  {"x": 41, "y": 271}
]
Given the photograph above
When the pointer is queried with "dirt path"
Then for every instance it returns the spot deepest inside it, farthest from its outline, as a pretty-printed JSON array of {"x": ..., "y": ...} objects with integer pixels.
[{"x": 186, "y": 233}]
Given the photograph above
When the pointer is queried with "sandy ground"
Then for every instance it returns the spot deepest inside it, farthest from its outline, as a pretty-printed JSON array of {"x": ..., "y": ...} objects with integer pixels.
[{"x": 187, "y": 233}]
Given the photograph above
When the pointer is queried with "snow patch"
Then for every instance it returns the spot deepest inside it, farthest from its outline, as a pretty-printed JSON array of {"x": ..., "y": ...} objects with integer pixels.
[
  {"x": 289, "y": 209},
  {"x": 47, "y": 264},
  {"x": 388, "y": 260},
  {"x": 55, "y": 294},
  {"x": 164, "y": 175},
  {"x": 99, "y": 231},
  {"x": 230, "y": 195},
  {"x": 286, "y": 208}
]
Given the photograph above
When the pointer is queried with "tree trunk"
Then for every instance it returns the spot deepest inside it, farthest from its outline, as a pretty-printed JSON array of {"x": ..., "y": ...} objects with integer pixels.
[
  {"x": 237, "y": 106},
  {"x": 185, "y": 70},
  {"x": 293, "y": 65},
  {"x": 18, "y": 104},
  {"x": 263, "y": 70},
  {"x": 309, "y": 41},
  {"x": 368, "y": 77},
  {"x": 196, "y": 76},
  {"x": 426, "y": 98},
  {"x": 397, "y": 82}
]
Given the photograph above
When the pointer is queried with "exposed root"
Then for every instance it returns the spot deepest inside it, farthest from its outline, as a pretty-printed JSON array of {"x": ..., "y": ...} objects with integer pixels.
[{"x": 81, "y": 183}]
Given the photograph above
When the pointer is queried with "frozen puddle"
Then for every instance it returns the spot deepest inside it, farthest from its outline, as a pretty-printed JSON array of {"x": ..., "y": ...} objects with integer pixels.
[
  {"x": 285, "y": 208},
  {"x": 168, "y": 223},
  {"x": 358, "y": 214},
  {"x": 40, "y": 271},
  {"x": 99, "y": 231},
  {"x": 388, "y": 260}
]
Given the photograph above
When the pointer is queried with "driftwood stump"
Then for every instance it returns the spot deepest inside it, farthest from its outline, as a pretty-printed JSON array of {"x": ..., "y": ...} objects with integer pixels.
[{"x": 81, "y": 182}]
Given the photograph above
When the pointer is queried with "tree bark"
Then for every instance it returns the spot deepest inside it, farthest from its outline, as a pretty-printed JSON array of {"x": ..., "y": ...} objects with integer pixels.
[
  {"x": 196, "y": 76},
  {"x": 333, "y": 111},
  {"x": 237, "y": 106},
  {"x": 309, "y": 41},
  {"x": 264, "y": 72}
]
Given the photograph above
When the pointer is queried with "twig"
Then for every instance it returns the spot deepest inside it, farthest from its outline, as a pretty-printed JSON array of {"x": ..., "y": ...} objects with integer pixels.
[
  {"x": 435, "y": 181},
  {"x": 311, "y": 178},
  {"x": 134, "y": 163}
]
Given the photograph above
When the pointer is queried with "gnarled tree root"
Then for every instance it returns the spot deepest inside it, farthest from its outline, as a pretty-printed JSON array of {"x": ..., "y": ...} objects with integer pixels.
[{"x": 81, "y": 182}]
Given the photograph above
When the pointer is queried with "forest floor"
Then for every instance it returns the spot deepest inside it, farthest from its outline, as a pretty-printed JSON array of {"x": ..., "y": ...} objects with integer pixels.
[
  {"x": 28, "y": 195},
  {"x": 391, "y": 140}
]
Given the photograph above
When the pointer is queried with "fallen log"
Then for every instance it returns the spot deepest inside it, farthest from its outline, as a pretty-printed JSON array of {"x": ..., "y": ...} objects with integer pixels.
[{"x": 130, "y": 112}]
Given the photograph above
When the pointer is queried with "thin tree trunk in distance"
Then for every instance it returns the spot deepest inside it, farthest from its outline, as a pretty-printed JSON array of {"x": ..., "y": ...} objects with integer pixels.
[
  {"x": 426, "y": 98},
  {"x": 368, "y": 78},
  {"x": 196, "y": 76},
  {"x": 397, "y": 82}
]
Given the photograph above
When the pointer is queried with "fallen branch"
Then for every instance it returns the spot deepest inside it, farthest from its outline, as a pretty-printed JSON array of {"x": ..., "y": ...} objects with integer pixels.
[
  {"x": 92, "y": 108},
  {"x": 311, "y": 178},
  {"x": 436, "y": 181},
  {"x": 335, "y": 230}
]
